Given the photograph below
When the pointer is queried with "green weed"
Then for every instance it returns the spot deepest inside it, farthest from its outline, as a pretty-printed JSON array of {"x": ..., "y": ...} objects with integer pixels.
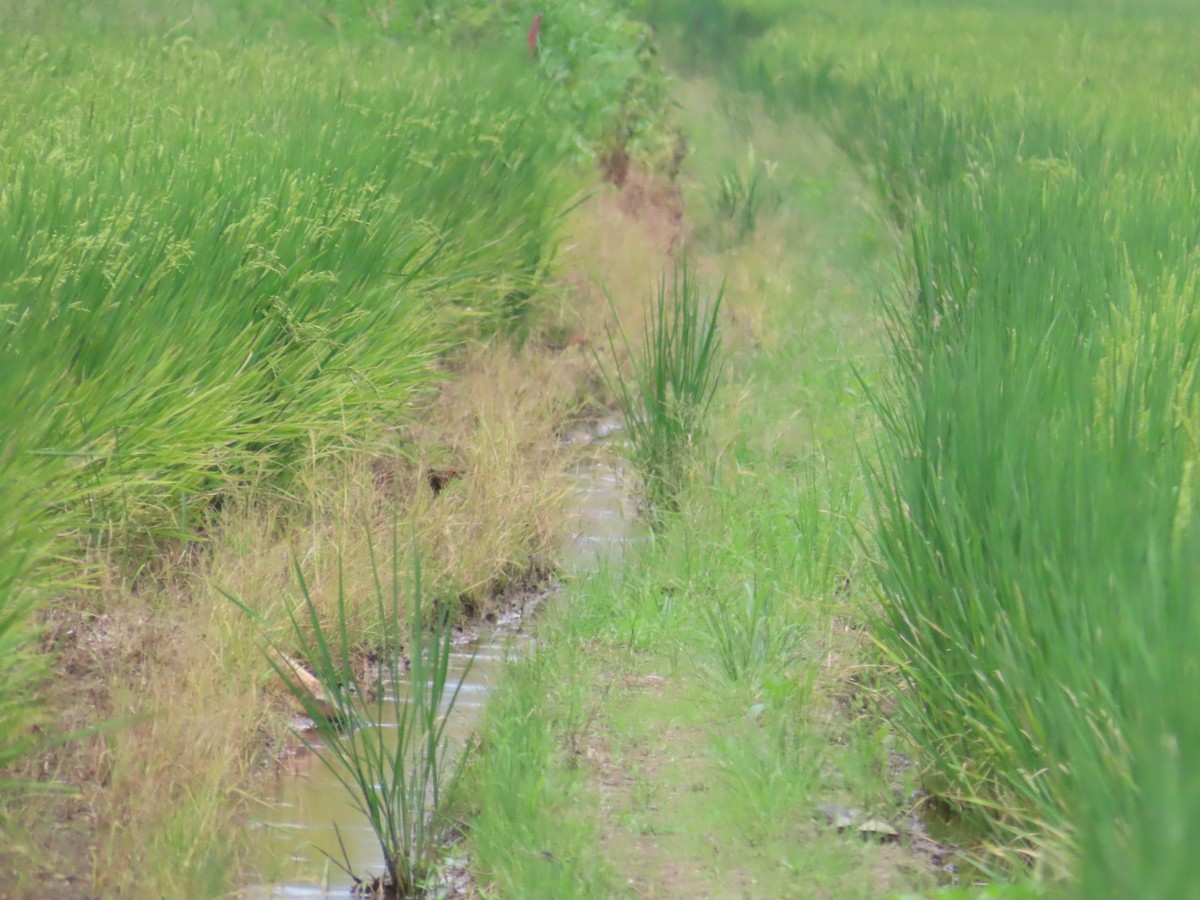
[
  {"x": 531, "y": 830},
  {"x": 751, "y": 633}
]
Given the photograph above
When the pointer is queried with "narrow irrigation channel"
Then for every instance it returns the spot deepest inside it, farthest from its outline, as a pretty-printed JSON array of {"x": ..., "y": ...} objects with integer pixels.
[{"x": 300, "y": 828}]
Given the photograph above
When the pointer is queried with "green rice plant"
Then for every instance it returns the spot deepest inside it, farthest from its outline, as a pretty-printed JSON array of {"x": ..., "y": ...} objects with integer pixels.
[
  {"x": 665, "y": 401},
  {"x": 397, "y": 777},
  {"x": 217, "y": 259},
  {"x": 22, "y": 544},
  {"x": 20, "y": 672},
  {"x": 198, "y": 296}
]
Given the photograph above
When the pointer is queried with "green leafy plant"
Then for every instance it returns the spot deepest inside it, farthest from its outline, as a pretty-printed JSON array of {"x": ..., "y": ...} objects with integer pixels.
[
  {"x": 397, "y": 777},
  {"x": 609, "y": 83},
  {"x": 666, "y": 399}
]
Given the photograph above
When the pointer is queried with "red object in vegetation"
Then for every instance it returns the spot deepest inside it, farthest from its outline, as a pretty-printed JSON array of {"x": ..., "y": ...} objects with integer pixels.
[{"x": 533, "y": 36}]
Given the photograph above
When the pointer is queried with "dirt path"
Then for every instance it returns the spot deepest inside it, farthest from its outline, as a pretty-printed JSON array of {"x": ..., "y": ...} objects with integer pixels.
[{"x": 655, "y": 790}]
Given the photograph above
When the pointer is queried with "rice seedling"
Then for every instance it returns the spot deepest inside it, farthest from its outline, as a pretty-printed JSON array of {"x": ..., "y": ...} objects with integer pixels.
[
  {"x": 665, "y": 401},
  {"x": 397, "y": 777}
]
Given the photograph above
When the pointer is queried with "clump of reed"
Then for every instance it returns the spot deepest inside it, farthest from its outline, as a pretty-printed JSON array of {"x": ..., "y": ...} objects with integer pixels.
[
  {"x": 398, "y": 777},
  {"x": 665, "y": 400}
]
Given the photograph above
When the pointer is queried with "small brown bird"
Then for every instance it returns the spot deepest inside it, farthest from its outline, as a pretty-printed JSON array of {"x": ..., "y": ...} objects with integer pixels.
[{"x": 439, "y": 478}]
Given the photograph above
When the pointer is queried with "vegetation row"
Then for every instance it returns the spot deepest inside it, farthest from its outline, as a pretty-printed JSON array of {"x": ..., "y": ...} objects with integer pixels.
[{"x": 1034, "y": 482}]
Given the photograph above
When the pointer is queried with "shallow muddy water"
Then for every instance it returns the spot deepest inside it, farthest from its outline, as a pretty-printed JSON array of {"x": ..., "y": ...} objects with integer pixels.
[{"x": 299, "y": 827}]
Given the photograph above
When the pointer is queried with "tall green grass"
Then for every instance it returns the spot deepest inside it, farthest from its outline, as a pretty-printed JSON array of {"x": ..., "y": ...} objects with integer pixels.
[{"x": 1034, "y": 480}]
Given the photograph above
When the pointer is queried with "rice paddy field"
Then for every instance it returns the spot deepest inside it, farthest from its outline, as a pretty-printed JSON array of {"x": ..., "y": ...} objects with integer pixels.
[
  {"x": 221, "y": 257},
  {"x": 242, "y": 243},
  {"x": 275, "y": 277},
  {"x": 1033, "y": 483}
]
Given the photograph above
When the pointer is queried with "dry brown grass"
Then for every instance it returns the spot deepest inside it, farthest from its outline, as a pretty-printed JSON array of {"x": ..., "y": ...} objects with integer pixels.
[
  {"x": 149, "y": 793},
  {"x": 621, "y": 242},
  {"x": 155, "y": 803}
]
